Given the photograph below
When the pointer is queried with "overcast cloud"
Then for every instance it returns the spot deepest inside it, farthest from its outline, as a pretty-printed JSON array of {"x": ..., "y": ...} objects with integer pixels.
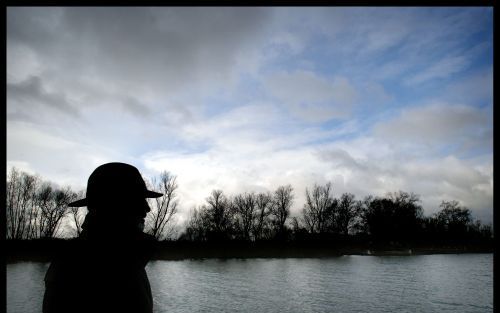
[{"x": 246, "y": 99}]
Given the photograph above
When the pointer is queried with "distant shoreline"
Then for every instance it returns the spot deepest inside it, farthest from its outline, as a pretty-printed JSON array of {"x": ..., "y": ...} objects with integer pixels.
[
  {"x": 310, "y": 253},
  {"x": 44, "y": 250}
]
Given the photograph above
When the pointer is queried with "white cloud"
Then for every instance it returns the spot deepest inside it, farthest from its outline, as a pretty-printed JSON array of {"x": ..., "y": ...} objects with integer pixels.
[
  {"x": 239, "y": 159},
  {"x": 441, "y": 69},
  {"x": 53, "y": 156},
  {"x": 312, "y": 97},
  {"x": 378, "y": 170},
  {"x": 375, "y": 170},
  {"x": 437, "y": 125},
  {"x": 234, "y": 172},
  {"x": 20, "y": 165}
]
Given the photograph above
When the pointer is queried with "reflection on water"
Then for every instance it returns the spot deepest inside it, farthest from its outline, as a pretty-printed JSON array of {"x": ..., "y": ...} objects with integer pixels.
[
  {"x": 427, "y": 283},
  {"x": 25, "y": 286}
]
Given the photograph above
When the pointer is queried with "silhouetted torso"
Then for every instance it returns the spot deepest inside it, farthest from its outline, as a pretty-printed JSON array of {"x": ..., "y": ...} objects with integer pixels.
[{"x": 103, "y": 275}]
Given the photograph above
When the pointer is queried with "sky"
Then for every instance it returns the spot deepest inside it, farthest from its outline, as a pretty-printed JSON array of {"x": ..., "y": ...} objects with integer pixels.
[{"x": 374, "y": 100}]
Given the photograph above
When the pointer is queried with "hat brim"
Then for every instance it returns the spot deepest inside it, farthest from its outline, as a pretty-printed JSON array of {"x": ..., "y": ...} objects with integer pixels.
[
  {"x": 84, "y": 202},
  {"x": 152, "y": 194},
  {"x": 78, "y": 203}
]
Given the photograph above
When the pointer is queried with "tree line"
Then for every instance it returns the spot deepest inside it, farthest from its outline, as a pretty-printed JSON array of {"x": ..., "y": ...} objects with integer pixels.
[
  {"x": 396, "y": 217},
  {"x": 35, "y": 209}
]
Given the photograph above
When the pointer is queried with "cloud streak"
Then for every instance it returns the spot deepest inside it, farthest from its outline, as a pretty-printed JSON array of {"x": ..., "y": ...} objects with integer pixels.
[
  {"x": 311, "y": 97},
  {"x": 32, "y": 92}
]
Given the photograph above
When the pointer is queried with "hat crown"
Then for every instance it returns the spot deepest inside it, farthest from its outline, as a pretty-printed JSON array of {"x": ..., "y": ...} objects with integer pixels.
[
  {"x": 112, "y": 180},
  {"x": 115, "y": 179}
]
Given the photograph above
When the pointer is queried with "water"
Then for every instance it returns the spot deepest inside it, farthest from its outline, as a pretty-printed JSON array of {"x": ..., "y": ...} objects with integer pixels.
[{"x": 426, "y": 283}]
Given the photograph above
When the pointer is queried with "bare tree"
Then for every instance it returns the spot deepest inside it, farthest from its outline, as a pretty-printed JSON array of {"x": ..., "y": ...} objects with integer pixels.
[
  {"x": 32, "y": 210},
  {"x": 163, "y": 208},
  {"x": 13, "y": 199},
  {"x": 218, "y": 215},
  {"x": 346, "y": 212},
  {"x": 20, "y": 204},
  {"x": 195, "y": 227},
  {"x": 280, "y": 210},
  {"x": 296, "y": 225},
  {"x": 317, "y": 209},
  {"x": 263, "y": 202},
  {"x": 244, "y": 207},
  {"x": 211, "y": 221},
  {"x": 54, "y": 206},
  {"x": 453, "y": 217}
]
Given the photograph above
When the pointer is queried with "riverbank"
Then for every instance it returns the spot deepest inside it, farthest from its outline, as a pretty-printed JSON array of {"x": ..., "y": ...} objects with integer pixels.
[{"x": 44, "y": 250}]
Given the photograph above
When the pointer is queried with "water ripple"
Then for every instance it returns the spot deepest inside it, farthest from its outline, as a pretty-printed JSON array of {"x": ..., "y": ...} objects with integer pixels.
[{"x": 429, "y": 283}]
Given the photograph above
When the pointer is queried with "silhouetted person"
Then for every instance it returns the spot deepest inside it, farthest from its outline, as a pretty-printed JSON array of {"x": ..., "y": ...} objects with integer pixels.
[{"x": 104, "y": 270}]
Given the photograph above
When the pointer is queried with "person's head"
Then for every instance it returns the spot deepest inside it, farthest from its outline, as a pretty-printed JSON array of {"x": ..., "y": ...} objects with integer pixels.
[{"x": 116, "y": 199}]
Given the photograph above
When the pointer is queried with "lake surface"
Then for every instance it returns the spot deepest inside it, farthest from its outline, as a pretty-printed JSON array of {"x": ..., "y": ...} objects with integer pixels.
[{"x": 423, "y": 283}]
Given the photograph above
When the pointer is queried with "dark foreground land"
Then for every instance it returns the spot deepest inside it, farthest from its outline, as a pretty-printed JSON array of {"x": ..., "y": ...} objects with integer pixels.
[{"x": 43, "y": 250}]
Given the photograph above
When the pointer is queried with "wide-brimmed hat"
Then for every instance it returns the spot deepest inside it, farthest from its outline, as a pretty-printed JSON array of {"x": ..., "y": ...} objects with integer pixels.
[{"x": 114, "y": 180}]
